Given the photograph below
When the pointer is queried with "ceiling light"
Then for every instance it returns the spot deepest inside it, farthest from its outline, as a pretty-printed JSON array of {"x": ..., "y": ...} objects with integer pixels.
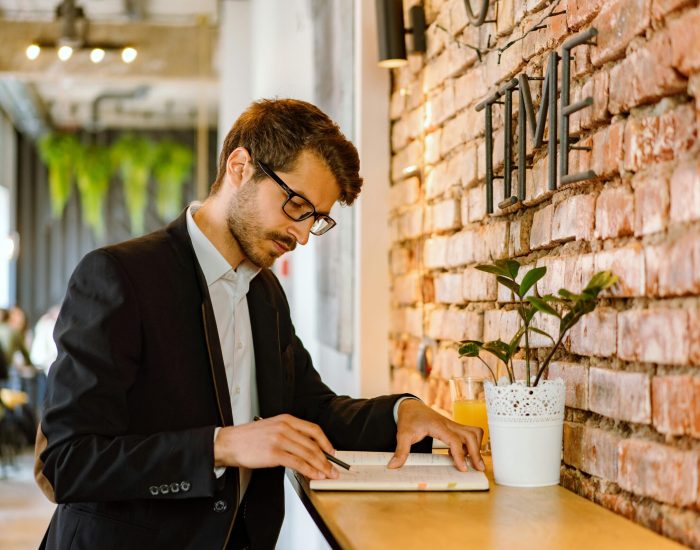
[
  {"x": 97, "y": 55},
  {"x": 128, "y": 55},
  {"x": 33, "y": 51},
  {"x": 65, "y": 53}
]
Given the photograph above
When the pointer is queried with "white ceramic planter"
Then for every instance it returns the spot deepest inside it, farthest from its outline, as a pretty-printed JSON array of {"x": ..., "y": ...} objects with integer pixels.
[{"x": 525, "y": 426}]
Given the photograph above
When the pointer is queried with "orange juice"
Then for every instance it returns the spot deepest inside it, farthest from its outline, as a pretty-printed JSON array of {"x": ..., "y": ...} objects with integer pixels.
[{"x": 472, "y": 413}]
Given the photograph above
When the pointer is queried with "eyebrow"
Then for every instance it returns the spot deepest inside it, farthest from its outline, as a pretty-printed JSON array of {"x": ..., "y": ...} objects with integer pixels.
[{"x": 306, "y": 199}]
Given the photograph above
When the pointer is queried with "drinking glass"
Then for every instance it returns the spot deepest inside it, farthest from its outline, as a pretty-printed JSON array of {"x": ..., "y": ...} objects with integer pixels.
[{"x": 469, "y": 404}]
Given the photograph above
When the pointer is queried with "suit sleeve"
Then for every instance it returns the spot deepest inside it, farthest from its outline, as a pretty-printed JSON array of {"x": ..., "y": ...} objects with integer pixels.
[{"x": 85, "y": 451}]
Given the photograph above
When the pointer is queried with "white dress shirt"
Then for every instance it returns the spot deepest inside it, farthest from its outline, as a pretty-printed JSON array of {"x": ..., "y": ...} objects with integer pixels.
[{"x": 227, "y": 290}]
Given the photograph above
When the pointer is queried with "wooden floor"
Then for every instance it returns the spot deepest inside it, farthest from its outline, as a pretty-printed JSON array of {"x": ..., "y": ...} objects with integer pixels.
[{"x": 24, "y": 511}]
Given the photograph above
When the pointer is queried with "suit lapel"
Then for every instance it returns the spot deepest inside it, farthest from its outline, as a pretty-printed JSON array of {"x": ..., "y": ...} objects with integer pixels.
[
  {"x": 264, "y": 323},
  {"x": 178, "y": 229}
]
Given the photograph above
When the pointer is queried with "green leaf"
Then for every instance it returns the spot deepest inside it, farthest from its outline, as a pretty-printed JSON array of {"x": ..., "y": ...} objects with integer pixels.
[
  {"x": 601, "y": 281},
  {"x": 498, "y": 348},
  {"x": 511, "y": 266},
  {"x": 515, "y": 341},
  {"x": 529, "y": 313},
  {"x": 530, "y": 279},
  {"x": 470, "y": 349},
  {"x": 541, "y": 305},
  {"x": 543, "y": 333},
  {"x": 569, "y": 295},
  {"x": 515, "y": 287},
  {"x": 493, "y": 269}
]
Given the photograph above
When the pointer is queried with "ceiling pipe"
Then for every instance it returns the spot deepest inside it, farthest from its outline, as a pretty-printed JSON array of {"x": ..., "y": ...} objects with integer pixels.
[{"x": 136, "y": 93}]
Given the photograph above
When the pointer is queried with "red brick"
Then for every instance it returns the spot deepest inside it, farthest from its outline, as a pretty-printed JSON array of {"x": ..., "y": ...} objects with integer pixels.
[
  {"x": 694, "y": 345},
  {"x": 541, "y": 232},
  {"x": 431, "y": 154},
  {"x": 682, "y": 525},
  {"x": 548, "y": 324},
  {"x": 505, "y": 17},
  {"x": 477, "y": 203},
  {"x": 628, "y": 264},
  {"x": 478, "y": 286},
  {"x": 434, "y": 252},
  {"x": 470, "y": 88},
  {"x": 436, "y": 180},
  {"x": 518, "y": 238},
  {"x": 620, "y": 395},
  {"x": 461, "y": 167},
  {"x": 596, "y": 87},
  {"x": 651, "y": 202},
  {"x": 578, "y": 270},
  {"x": 656, "y": 139},
  {"x": 574, "y": 218},
  {"x": 575, "y": 377},
  {"x": 455, "y": 324},
  {"x": 407, "y": 289},
  {"x": 653, "y": 336},
  {"x": 591, "y": 450},
  {"x": 685, "y": 192},
  {"x": 673, "y": 268},
  {"x": 580, "y": 12},
  {"x": 618, "y": 22},
  {"x": 404, "y": 193},
  {"x": 658, "y": 471},
  {"x": 454, "y": 132},
  {"x": 661, "y": 8},
  {"x": 645, "y": 76},
  {"x": 445, "y": 215},
  {"x": 411, "y": 155},
  {"x": 614, "y": 213},
  {"x": 448, "y": 288},
  {"x": 536, "y": 182},
  {"x": 401, "y": 260},
  {"x": 596, "y": 333},
  {"x": 410, "y": 224},
  {"x": 672, "y": 404},
  {"x": 608, "y": 150},
  {"x": 684, "y": 41}
]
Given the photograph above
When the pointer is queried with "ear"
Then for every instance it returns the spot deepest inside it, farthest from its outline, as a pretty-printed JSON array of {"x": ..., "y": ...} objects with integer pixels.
[{"x": 236, "y": 165}]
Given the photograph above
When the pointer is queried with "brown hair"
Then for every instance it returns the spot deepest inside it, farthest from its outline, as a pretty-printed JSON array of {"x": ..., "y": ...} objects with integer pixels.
[{"x": 276, "y": 131}]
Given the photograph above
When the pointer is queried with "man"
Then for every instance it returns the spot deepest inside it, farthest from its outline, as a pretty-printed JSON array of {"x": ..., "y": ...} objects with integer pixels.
[{"x": 170, "y": 344}]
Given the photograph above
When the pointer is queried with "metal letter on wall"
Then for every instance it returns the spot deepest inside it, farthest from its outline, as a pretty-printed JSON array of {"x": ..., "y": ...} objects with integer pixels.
[
  {"x": 486, "y": 106},
  {"x": 478, "y": 18},
  {"x": 568, "y": 109}
]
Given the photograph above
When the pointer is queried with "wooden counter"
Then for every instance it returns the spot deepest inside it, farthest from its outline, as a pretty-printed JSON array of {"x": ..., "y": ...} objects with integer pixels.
[{"x": 503, "y": 518}]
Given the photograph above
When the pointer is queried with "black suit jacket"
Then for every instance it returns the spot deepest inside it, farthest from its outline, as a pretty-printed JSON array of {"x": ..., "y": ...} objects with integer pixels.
[{"x": 125, "y": 445}]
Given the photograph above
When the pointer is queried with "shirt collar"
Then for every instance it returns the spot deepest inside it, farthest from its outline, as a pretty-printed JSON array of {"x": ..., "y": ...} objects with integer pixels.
[{"x": 213, "y": 264}]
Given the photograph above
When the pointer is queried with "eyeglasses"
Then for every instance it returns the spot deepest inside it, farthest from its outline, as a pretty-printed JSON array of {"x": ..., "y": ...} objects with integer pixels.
[{"x": 299, "y": 208}]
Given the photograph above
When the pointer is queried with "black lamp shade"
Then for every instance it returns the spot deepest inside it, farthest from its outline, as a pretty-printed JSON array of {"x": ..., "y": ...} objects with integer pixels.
[{"x": 390, "y": 27}]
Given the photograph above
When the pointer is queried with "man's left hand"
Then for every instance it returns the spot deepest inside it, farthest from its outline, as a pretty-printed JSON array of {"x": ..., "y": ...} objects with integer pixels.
[{"x": 416, "y": 421}]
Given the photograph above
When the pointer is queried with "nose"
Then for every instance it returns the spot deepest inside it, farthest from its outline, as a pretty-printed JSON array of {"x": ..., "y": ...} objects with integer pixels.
[{"x": 301, "y": 230}]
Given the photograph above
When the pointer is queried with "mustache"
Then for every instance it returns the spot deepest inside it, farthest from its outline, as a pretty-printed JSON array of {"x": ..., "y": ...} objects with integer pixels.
[{"x": 286, "y": 240}]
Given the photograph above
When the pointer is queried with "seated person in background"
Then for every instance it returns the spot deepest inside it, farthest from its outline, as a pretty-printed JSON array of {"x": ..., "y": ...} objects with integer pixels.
[{"x": 170, "y": 344}]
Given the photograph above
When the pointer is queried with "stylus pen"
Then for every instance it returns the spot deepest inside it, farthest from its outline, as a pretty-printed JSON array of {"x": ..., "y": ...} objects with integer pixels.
[{"x": 330, "y": 457}]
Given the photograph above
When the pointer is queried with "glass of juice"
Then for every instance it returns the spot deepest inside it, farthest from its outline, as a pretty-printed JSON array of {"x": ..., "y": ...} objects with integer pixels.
[{"x": 469, "y": 404}]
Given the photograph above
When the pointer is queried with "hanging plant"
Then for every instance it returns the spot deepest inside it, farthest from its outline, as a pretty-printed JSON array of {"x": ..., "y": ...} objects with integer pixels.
[
  {"x": 173, "y": 164},
  {"x": 134, "y": 156},
  {"x": 93, "y": 172},
  {"x": 58, "y": 152}
]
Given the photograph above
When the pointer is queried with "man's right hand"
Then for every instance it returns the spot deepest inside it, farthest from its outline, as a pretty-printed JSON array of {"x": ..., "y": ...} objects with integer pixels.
[{"x": 282, "y": 440}]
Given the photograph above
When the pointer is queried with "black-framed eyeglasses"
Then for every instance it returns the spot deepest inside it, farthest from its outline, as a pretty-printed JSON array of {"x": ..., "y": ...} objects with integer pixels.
[{"x": 297, "y": 207}]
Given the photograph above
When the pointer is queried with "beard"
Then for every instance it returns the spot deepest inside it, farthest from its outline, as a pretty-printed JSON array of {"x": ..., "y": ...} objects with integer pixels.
[{"x": 244, "y": 223}]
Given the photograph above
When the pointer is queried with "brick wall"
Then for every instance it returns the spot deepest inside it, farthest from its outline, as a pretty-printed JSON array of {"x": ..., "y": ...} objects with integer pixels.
[{"x": 632, "y": 431}]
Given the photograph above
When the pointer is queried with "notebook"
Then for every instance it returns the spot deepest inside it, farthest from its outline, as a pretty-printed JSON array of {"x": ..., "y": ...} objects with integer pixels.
[{"x": 422, "y": 472}]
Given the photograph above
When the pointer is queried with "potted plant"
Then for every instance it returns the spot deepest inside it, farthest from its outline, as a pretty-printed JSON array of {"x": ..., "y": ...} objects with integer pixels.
[
  {"x": 172, "y": 166},
  {"x": 93, "y": 172},
  {"x": 135, "y": 156},
  {"x": 58, "y": 152},
  {"x": 526, "y": 416}
]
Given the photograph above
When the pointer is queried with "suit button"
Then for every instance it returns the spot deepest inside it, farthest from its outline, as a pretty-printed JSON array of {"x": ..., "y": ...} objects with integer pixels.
[
  {"x": 174, "y": 487},
  {"x": 164, "y": 489},
  {"x": 185, "y": 486},
  {"x": 154, "y": 490},
  {"x": 220, "y": 506}
]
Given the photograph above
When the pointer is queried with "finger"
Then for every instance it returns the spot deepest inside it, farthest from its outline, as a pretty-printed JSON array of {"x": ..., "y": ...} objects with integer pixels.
[
  {"x": 403, "y": 448},
  {"x": 307, "y": 451},
  {"x": 295, "y": 463},
  {"x": 457, "y": 452},
  {"x": 313, "y": 431},
  {"x": 473, "y": 443}
]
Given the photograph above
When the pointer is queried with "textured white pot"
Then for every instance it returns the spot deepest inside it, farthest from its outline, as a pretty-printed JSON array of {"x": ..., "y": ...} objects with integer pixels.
[{"x": 525, "y": 427}]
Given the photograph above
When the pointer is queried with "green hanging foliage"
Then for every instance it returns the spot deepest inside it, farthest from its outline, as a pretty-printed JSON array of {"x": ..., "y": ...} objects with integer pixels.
[
  {"x": 134, "y": 156},
  {"x": 93, "y": 173},
  {"x": 172, "y": 166},
  {"x": 58, "y": 152}
]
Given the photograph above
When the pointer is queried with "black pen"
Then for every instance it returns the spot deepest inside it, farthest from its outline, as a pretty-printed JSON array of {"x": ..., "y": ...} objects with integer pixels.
[{"x": 330, "y": 457}]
